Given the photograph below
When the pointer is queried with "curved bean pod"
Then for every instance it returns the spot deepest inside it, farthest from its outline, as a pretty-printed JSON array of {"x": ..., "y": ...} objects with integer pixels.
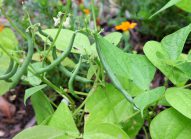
[
  {"x": 11, "y": 63},
  {"x": 26, "y": 62},
  {"x": 11, "y": 73},
  {"x": 64, "y": 70},
  {"x": 77, "y": 77},
  {"x": 59, "y": 59},
  {"x": 71, "y": 81},
  {"x": 112, "y": 76}
]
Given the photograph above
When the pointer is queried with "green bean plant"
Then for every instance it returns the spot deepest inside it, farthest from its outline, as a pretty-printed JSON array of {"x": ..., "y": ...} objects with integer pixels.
[{"x": 82, "y": 85}]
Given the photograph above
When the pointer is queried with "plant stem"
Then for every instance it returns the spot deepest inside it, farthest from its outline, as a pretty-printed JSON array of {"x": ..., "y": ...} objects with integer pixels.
[
  {"x": 84, "y": 102},
  {"x": 93, "y": 13},
  {"x": 58, "y": 90},
  {"x": 146, "y": 134},
  {"x": 59, "y": 29}
]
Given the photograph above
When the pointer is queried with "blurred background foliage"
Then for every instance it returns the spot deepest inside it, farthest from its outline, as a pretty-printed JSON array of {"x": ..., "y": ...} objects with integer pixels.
[{"x": 43, "y": 11}]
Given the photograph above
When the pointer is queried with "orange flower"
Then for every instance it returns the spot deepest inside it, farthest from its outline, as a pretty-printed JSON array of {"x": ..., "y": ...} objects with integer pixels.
[
  {"x": 124, "y": 26},
  {"x": 86, "y": 11},
  {"x": 1, "y": 28}
]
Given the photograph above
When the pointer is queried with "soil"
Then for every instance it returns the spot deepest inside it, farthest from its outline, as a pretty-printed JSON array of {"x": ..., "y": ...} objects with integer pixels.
[{"x": 15, "y": 116}]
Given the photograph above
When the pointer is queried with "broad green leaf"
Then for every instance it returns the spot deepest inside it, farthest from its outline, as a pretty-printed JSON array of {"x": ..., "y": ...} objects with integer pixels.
[
  {"x": 114, "y": 38},
  {"x": 134, "y": 72},
  {"x": 41, "y": 106},
  {"x": 184, "y": 5},
  {"x": 170, "y": 124},
  {"x": 185, "y": 67},
  {"x": 81, "y": 42},
  {"x": 66, "y": 62},
  {"x": 133, "y": 125},
  {"x": 173, "y": 44},
  {"x": 180, "y": 99},
  {"x": 4, "y": 87},
  {"x": 168, "y": 5},
  {"x": 107, "y": 105},
  {"x": 91, "y": 71},
  {"x": 31, "y": 78},
  {"x": 4, "y": 63},
  {"x": 29, "y": 92},
  {"x": 42, "y": 132},
  {"x": 147, "y": 98},
  {"x": 8, "y": 39},
  {"x": 105, "y": 131},
  {"x": 63, "y": 120},
  {"x": 156, "y": 54}
]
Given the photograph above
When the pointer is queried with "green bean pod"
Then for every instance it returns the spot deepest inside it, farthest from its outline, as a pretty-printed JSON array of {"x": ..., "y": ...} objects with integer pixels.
[
  {"x": 44, "y": 34},
  {"x": 59, "y": 59},
  {"x": 11, "y": 63},
  {"x": 71, "y": 80},
  {"x": 25, "y": 64},
  {"x": 66, "y": 72},
  {"x": 112, "y": 76},
  {"x": 11, "y": 73}
]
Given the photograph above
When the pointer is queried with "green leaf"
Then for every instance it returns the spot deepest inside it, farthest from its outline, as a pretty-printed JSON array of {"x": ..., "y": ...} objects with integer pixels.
[
  {"x": 107, "y": 105},
  {"x": 156, "y": 54},
  {"x": 105, "y": 131},
  {"x": 133, "y": 125},
  {"x": 31, "y": 78},
  {"x": 63, "y": 120},
  {"x": 80, "y": 45},
  {"x": 184, "y": 5},
  {"x": 29, "y": 92},
  {"x": 118, "y": 63},
  {"x": 180, "y": 99},
  {"x": 66, "y": 62},
  {"x": 8, "y": 39},
  {"x": 146, "y": 99},
  {"x": 42, "y": 107},
  {"x": 168, "y": 5},
  {"x": 4, "y": 63},
  {"x": 92, "y": 71},
  {"x": 4, "y": 87},
  {"x": 173, "y": 44},
  {"x": 185, "y": 68},
  {"x": 114, "y": 38},
  {"x": 170, "y": 124},
  {"x": 42, "y": 132}
]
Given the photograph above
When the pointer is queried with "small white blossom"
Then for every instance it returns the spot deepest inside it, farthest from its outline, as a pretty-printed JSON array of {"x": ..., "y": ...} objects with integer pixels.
[
  {"x": 56, "y": 21},
  {"x": 66, "y": 24}
]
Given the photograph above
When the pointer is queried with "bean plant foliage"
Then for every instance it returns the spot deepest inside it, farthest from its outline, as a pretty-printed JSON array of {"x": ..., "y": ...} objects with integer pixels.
[{"x": 119, "y": 99}]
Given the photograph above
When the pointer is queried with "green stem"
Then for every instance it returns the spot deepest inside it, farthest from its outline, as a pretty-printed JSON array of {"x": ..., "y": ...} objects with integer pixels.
[
  {"x": 146, "y": 134},
  {"x": 94, "y": 17},
  {"x": 54, "y": 87},
  {"x": 84, "y": 102},
  {"x": 59, "y": 29}
]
